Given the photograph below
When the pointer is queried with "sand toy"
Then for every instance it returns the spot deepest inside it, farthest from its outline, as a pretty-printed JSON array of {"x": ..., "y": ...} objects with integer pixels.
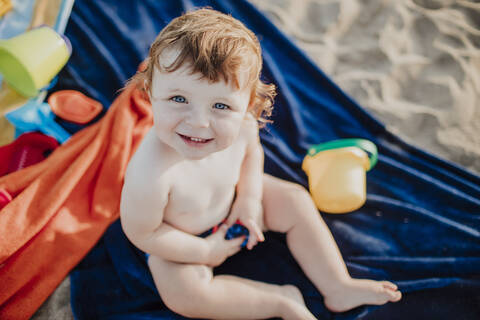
[
  {"x": 30, "y": 60},
  {"x": 336, "y": 173}
]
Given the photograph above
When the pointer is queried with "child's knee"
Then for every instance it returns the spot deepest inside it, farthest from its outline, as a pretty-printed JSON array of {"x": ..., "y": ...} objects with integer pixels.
[
  {"x": 188, "y": 301},
  {"x": 295, "y": 192},
  {"x": 178, "y": 304},
  {"x": 183, "y": 288},
  {"x": 299, "y": 203}
]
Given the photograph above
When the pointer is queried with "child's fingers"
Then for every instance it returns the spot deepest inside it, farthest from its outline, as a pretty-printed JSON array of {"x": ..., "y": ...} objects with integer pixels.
[
  {"x": 252, "y": 242},
  {"x": 254, "y": 229},
  {"x": 236, "y": 244},
  {"x": 255, "y": 233}
]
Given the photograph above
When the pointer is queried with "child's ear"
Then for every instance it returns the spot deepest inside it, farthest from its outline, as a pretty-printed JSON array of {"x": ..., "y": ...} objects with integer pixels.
[{"x": 143, "y": 65}]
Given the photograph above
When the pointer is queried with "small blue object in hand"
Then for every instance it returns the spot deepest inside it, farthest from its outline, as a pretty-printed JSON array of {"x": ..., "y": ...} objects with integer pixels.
[{"x": 237, "y": 230}]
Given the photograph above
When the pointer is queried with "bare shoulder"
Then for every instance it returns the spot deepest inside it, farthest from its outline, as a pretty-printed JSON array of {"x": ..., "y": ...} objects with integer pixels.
[{"x": 144, "y": 194}]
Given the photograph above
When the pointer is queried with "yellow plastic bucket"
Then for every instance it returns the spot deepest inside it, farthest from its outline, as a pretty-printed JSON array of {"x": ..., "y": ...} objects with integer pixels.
[
  {"x": 29, "y": 61},
  {"x": 337, "y": 175}
]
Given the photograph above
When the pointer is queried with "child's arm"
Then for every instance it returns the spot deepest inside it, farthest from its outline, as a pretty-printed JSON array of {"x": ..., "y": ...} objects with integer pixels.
[
  {"x": 141, "y": 215},
  {"x": 175, "y": 245},
  {"x": 248, "y": 202},
  {"x": 251, "y": 175}
]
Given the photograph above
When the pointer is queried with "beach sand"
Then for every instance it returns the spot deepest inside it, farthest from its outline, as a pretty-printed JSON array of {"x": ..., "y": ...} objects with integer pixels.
[{"x": 415, "y": 65}]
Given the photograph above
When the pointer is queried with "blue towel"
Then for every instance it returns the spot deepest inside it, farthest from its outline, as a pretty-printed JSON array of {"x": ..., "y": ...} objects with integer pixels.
[{"x": 419, "y": 227}]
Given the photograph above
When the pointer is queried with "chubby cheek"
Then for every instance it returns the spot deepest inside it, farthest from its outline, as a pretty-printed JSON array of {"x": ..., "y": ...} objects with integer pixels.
[
  {"x": 163, "y": 123},
  {"x": 227, "y": 132}
]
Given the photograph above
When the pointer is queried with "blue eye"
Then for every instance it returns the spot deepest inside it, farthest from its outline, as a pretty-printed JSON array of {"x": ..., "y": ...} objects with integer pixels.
[
  {"x": 178, "y": 99},
  {"x": 221, "y": 106}
]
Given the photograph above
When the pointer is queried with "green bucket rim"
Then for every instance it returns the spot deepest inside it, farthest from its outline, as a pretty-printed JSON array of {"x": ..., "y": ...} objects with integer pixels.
[{"x": 366, "y": 145}]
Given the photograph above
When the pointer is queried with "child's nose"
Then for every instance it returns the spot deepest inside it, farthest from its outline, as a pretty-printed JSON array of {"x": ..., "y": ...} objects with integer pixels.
[{"x": 198, "y": 118}]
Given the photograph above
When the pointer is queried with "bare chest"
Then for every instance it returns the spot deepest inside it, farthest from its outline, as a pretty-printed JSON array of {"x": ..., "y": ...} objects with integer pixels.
[{"x": 201, "y": 193}]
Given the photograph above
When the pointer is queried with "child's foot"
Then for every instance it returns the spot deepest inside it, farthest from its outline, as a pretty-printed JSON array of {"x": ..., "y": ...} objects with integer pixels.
[
  {"x": 294, "y": 306},
  {"x": 357, "y": 292}
]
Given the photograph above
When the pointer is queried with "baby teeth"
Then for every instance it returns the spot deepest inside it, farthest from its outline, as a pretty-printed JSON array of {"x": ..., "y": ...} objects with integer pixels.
[
  {"x": 192, "y": 138},
  {"x": 197, "y": 140}
]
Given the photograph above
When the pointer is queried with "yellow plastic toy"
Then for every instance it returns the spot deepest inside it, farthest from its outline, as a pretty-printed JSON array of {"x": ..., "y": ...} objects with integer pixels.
[
  {"x": 5, "y": 6},
  {"x": 336, "y": 173},
  {"x": 29, "y": 61}
]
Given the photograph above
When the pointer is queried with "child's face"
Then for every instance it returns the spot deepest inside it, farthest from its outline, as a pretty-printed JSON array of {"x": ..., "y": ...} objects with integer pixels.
[{"x": 194, "y": 117}]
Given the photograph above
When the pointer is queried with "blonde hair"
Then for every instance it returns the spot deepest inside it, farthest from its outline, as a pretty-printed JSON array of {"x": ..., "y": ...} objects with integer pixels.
[{"x": 218, "y": 47}]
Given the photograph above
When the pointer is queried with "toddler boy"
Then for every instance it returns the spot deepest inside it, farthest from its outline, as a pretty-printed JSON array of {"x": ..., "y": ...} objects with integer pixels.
[{"x": 201, "y": 166}]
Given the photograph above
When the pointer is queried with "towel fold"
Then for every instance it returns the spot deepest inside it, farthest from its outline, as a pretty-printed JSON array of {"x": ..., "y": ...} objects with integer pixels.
[{"x": 62, "y": 205}]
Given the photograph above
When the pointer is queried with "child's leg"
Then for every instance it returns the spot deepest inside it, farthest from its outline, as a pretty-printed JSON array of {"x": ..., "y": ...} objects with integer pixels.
[
  {"x": 193, "y": 291},
  {"x": 289, "y": 208}
]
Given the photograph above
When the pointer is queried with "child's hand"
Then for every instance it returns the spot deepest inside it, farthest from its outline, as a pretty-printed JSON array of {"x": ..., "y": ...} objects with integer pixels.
[
  {"x": 220, "y": 248},
  {"x": 250, "y": 213}
]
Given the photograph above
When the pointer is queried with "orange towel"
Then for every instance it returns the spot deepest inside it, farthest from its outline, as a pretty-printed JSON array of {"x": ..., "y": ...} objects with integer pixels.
[{"x": 62, "y": 205}]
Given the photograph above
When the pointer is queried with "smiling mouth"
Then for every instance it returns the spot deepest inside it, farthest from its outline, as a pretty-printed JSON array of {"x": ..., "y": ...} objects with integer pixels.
[{"x": 193, "y": 140}]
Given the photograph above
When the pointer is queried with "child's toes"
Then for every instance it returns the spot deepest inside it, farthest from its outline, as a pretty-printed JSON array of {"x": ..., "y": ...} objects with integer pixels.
[
  {"x": 397, "y": 295},
  {"x": 391, "y": 291},
  {"x": 389, "y": 285}
]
